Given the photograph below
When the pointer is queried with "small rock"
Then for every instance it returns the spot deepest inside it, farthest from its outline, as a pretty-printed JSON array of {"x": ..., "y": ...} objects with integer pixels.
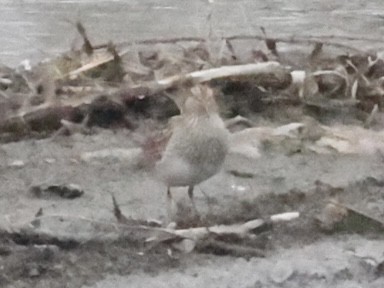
[
  {"x": 69, "y": 191},
  {"x": 33, "y": 271},
  {"x": 185, "y": 245},
  {"x": 238, "y": 188},
  {"x": 132, "y": 155},
  {"x": 16, "y": 164},
  {"x": 5, "y": 251},
  {"x": 331, "y": 215},
  {"x": 281, "y": 272}
]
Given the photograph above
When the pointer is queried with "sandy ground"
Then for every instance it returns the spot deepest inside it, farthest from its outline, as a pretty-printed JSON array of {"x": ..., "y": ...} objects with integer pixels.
[{"x": 297, "y": 253}]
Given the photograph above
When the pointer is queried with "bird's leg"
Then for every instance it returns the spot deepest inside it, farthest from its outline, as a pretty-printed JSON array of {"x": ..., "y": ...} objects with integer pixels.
[
  {"x": 190, "y": 194},
  {"x": 169, "y": 204},
  {"x": 207, "y": 199}
]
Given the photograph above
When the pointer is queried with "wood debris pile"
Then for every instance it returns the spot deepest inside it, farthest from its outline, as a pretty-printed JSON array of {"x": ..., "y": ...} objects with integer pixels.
[
  {"x": 115, "y": 85},
  {"x": 235, "y": 239}
]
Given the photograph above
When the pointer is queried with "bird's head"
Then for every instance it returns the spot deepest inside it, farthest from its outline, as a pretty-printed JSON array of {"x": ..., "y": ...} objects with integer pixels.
[{"x": 200, "y": 102}]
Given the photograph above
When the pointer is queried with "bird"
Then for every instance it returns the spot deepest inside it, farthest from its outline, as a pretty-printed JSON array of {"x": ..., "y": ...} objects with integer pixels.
[{"x": 195, "y": 145}]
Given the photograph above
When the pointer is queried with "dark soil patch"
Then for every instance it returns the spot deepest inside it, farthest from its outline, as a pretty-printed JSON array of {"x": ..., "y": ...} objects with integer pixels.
[{"x": 38, "y": 265}]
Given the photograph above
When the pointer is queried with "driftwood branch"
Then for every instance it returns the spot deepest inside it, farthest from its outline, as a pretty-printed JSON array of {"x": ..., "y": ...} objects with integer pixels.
[
  {"x": 56, "y": 229},
  {"x": 223, "y": 72},
  {"x": 241, "y": 230}
]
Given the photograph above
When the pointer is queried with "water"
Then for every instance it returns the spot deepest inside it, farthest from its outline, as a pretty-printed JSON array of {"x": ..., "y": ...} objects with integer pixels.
[{"x": 43, "y": 28}]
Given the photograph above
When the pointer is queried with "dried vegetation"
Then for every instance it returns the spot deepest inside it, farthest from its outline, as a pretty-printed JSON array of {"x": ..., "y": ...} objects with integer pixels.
[{"x": 115, "y": 85}]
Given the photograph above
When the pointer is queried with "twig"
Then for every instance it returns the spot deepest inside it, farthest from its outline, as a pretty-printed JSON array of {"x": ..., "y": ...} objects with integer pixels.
[
  {"x": 371, "y": 116},
  {"x": 223, "y": 248},
  {"x": 117, "y": 212},
  {"x": 292, "y": 39},
  {"x": 87, "y": 46},
  {"x": 240, "y": 230}
]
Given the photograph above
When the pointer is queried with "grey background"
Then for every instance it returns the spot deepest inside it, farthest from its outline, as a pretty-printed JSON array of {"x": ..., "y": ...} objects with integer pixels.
[{"x": 36, "y": 29}]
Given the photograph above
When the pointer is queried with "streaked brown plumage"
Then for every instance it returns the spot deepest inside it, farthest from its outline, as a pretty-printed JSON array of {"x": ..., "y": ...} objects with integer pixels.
[{"x": 197, "y": 145}]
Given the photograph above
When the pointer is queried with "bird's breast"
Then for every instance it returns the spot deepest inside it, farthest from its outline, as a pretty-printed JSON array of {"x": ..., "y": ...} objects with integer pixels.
[{"x": 194, "y": 154}]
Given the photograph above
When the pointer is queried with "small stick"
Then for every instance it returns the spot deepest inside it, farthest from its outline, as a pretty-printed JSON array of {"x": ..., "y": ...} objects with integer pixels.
[
  {"x": 220, "y": 247},
  {"x": 371, "y": 116}
]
